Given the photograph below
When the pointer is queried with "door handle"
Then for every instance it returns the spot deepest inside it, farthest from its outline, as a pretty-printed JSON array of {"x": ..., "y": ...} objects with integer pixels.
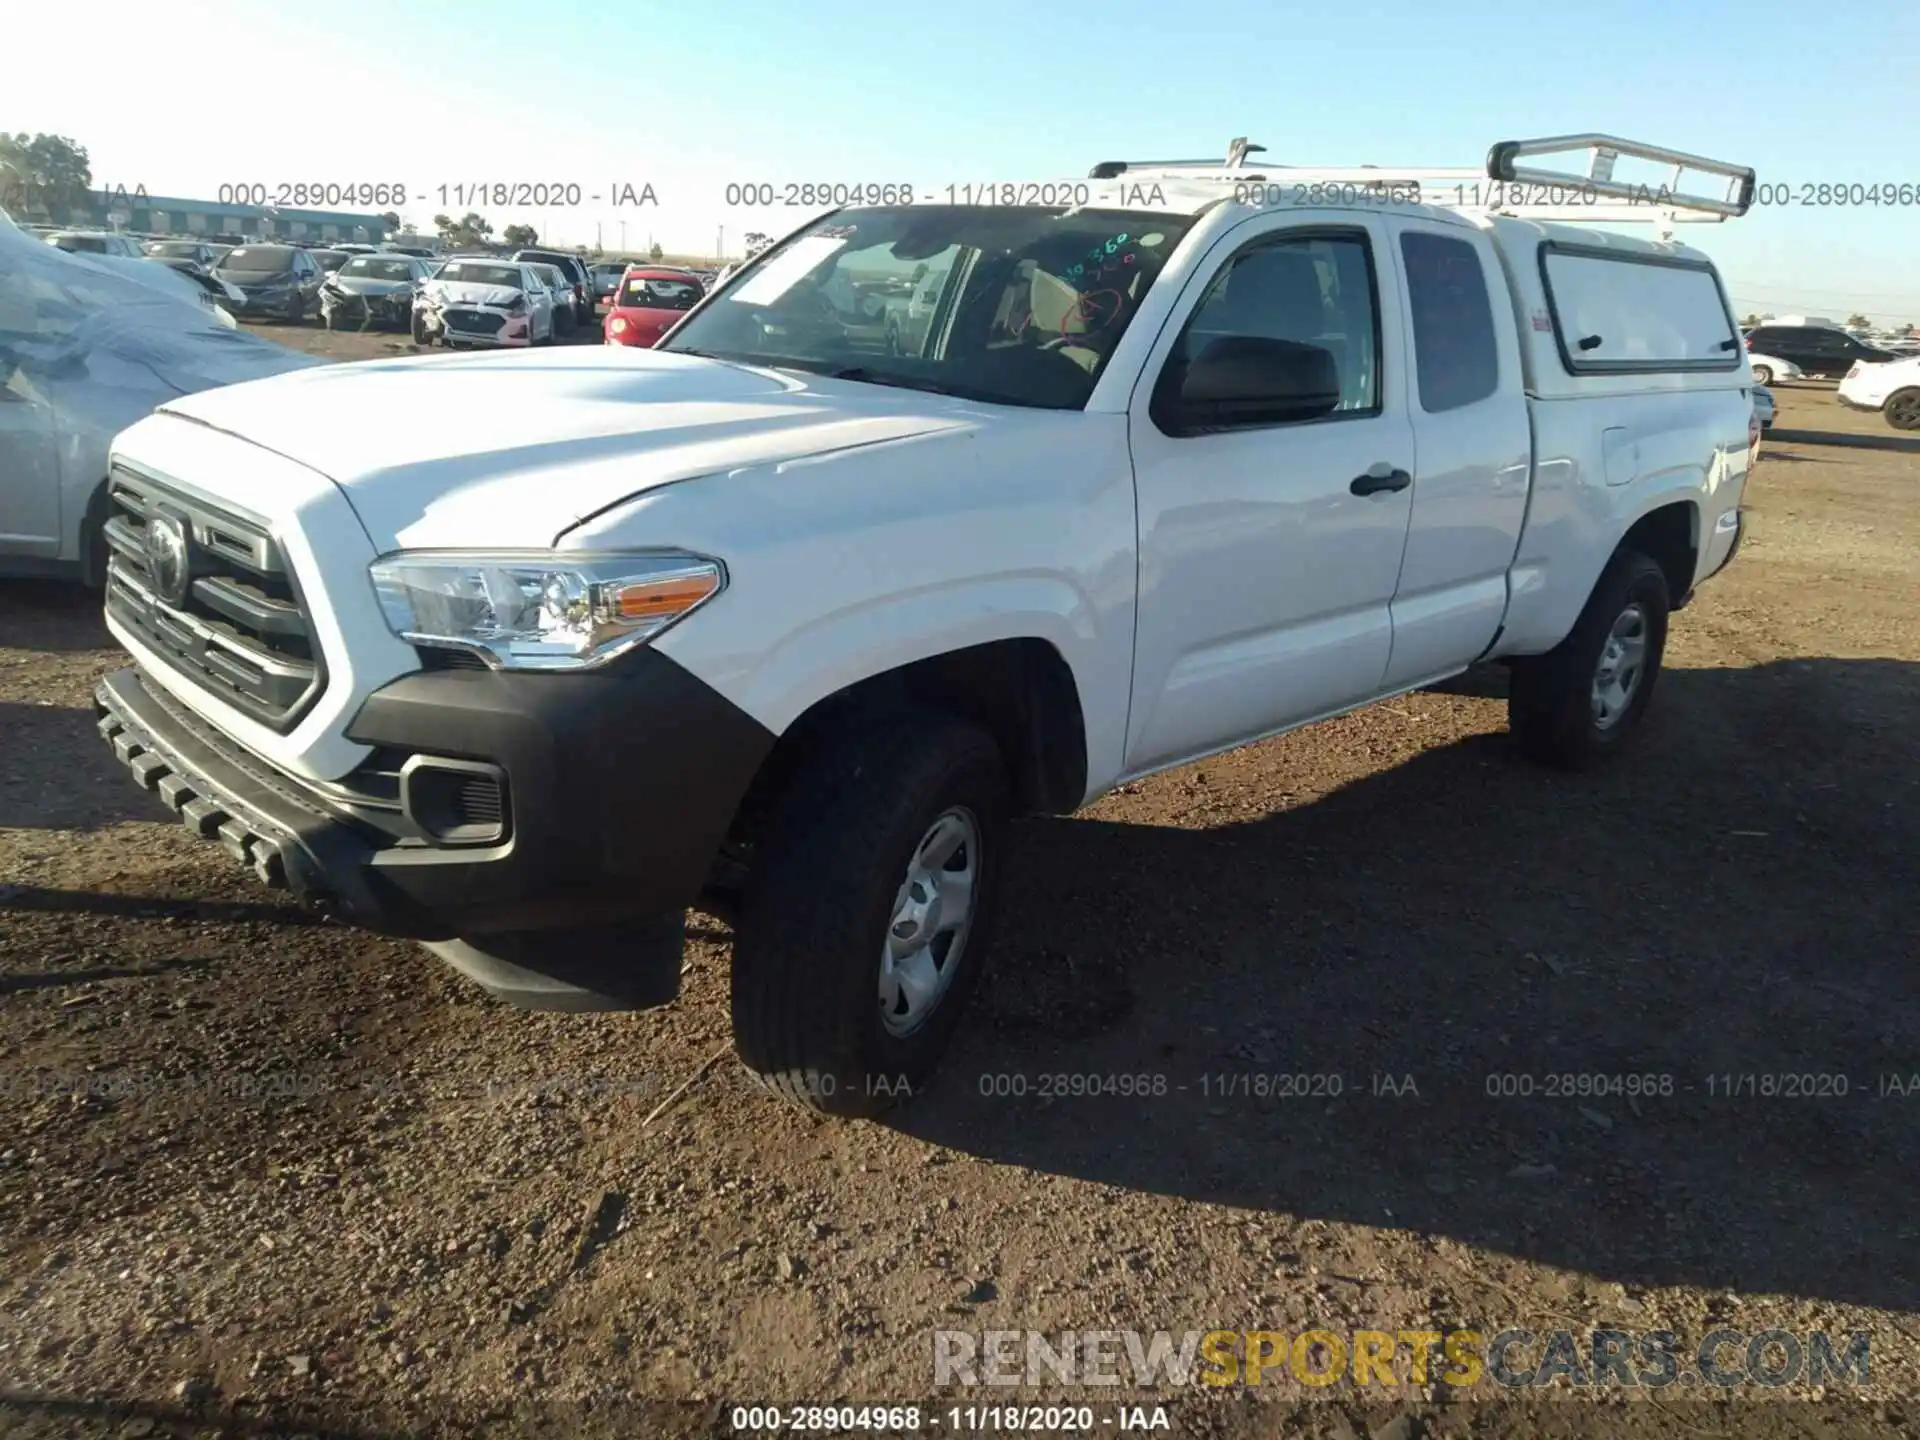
[{"x": 1379, "y": 478}]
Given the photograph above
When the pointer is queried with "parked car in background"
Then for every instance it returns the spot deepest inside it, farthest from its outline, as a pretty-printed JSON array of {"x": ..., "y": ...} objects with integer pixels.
[
  {"x": 96, "y": 242},
  {"x": 650, "y": 302},
  {"x": 1891, "y": 387},
  {"x": 606, "y": 279},
  {"x": 1770, "y": 368},
  {"x": 87, "y": 348},
  {"x": 1823, "y": 350},
  {"x": 280, "y": 282},
  {"x": 567, "y": 315},
  {"x": 354, "y": 247},
  {"x": 483, "y": 303},
  {"x": 1763, "y": 408},
  {"x": 198, "y": 251},
  {"x": 222, "y": 294},
  {"x": 574, "y": 268},
  {"x": 372, "y": 291}
]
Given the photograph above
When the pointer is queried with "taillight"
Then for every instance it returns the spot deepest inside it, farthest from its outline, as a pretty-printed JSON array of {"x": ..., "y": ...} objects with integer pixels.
[{"x": 1853, "y": 370}]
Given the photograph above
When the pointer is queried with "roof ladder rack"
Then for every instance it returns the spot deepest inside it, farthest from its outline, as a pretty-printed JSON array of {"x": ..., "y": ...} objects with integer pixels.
[{"x": 1595, "y": 194}]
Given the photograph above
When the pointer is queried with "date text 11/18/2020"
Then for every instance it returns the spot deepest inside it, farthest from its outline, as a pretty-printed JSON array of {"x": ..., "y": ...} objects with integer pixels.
[{"x": 510, "y": 194}]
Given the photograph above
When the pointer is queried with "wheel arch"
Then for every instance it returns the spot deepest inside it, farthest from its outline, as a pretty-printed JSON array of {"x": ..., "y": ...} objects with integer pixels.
[
  {"x": 1669, "y": 535},
  {"x": 1020, "y": 690}
]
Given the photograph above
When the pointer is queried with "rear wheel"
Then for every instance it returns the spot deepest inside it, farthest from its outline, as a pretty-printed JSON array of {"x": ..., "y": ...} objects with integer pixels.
[
  {"x": 1580, "y": 702},
  {"x": 865, "y": 918},
  {"x": 1763, "y": 374},
  {"x": 1903, "y": 409}
]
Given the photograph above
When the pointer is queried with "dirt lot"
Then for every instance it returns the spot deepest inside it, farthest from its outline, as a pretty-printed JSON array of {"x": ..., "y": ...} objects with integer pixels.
[{"x": 321, "y": 1182}]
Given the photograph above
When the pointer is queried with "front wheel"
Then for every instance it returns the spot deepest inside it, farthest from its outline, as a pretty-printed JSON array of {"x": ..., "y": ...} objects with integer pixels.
[
  {"x": 1903, "y": 409},
  {"x": 1578, "y": 704},
  {"x": 1763, "y": 375},
  {"x": 864, "y": 920}
]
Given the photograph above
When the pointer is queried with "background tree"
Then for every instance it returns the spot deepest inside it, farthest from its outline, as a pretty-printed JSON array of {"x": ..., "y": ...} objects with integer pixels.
[
  {"x": 520, "y": 235},
  {"x": 1859, "y": 322},
  {"x": 655, "y": 252},
  {"x": 43, "y": 174},
  {"x": 1751, "y": 319},
  {"x": 469, "y": 229},
  {"x": 757, "y": 241},
  {"x": 390, "y": 219}
]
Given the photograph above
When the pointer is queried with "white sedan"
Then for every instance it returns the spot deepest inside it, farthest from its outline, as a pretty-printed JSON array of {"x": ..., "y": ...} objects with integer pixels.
[
  {"x": 1769, "y": 368},
  {"x": 1892, "y": 387},
  {"x": 490, "y": 303}
]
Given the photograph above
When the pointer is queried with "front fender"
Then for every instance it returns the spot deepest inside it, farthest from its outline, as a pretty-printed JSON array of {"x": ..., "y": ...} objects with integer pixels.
[{"x": 847, "y": 565}]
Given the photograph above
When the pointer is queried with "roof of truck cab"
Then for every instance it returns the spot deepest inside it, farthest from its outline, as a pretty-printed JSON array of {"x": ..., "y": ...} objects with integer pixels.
[{"x": 1147, "y": 192}]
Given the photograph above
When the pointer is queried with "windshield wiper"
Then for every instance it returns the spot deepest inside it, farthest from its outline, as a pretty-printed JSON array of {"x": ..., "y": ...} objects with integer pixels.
[{"x": 870, "y": 376}]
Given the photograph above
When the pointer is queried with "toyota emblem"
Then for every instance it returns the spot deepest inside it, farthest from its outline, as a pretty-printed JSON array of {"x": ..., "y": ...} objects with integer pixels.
[{"x": 166, "y": 547}]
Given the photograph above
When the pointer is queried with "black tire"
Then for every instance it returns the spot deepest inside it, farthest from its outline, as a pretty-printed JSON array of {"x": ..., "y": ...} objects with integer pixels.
[
  {"x": 1763, "y": 374},
  {"x": 94, "y": 550},
  {"x": 1550, "y": 706},
  {"x": 1903, "y": 409},
  {"x": 814, "y": 915},
  {"x": 420, "y": 336}
]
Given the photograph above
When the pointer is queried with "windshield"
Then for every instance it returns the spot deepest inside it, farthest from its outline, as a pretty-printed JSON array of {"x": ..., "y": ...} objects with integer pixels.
[
  {"x": 86, "y": 244},
  {"x": 371, "y": 267},
  {"x": 469, "y": 272},
  {"x": 1027, "y": 303},
  {"x": 176, "y": 249},
  {"x": 652, "y": 292},
  {"x": 329, "y": 259},
  {"x": 257, "y": 260}
]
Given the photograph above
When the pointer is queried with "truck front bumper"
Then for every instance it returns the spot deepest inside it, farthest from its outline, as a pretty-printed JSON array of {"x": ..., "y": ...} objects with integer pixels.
[{"x": 594, "y": 805}]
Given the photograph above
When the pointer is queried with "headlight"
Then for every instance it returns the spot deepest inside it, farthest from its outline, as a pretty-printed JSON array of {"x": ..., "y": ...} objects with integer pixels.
[{"x": 542, "y": 611}]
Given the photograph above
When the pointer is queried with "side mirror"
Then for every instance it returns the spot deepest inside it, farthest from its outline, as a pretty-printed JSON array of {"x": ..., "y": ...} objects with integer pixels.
[{"x": 1247, "y": 380}]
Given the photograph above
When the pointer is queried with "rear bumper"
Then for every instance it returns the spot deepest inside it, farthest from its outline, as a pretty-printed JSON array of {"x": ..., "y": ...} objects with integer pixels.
[
  {"x": 617, "y": 790},
  {"x": 1725, "y": 543},
  {"x": 1853, "y": 404}
]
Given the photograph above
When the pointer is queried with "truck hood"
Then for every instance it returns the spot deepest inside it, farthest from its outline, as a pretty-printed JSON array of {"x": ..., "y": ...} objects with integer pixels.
[{"x": 513, "y": 450}]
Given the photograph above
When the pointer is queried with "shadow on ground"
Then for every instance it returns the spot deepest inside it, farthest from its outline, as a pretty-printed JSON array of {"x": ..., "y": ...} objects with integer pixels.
[
  {"x": 1735, "y": 900},
  {"x": 1904, "y": 444},
  {"x": 56, "y": 773},
  {"x": 53, "y": 616}
]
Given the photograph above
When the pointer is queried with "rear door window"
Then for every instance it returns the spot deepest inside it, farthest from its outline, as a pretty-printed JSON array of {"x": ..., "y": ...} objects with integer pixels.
[{"x": 1457, "y": 358}]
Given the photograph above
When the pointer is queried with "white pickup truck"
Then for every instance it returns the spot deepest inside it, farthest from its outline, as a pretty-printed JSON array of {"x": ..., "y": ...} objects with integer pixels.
[{"x": 520, "y": 656}]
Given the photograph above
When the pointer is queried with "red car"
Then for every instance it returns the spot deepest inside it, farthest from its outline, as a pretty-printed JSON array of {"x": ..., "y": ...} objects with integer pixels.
[{"x": 648, "y": 303}]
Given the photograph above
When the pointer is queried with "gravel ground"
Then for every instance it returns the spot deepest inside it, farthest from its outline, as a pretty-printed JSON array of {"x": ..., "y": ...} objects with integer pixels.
[{"x": 260, "y": 1174}]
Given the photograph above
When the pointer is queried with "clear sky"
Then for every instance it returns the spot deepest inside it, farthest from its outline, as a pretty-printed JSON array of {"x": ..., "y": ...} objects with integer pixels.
[{"x": 186, "y": 95}]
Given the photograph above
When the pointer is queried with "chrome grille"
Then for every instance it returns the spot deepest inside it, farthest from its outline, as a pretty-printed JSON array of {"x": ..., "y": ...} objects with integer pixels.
[
  {"x": 474, "y": 322},
  {"x": 234, "y": 620}
]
